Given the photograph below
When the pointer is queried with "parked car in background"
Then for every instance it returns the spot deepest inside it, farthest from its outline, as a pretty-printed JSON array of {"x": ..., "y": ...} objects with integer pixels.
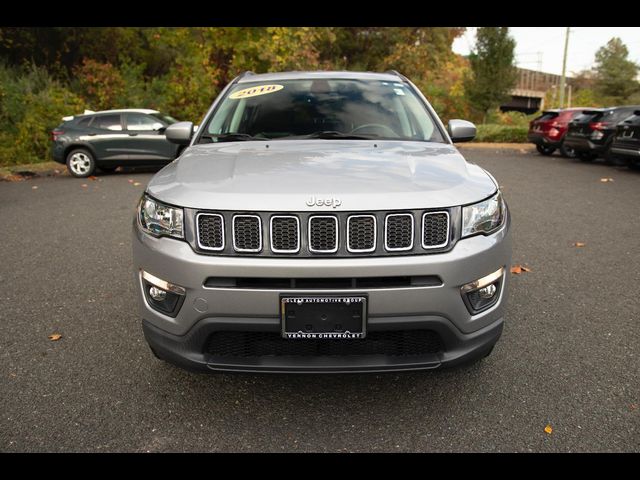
[
  {"x": 626, "y": 141},
  {"x": 111, "y": 138},
  {"x": 591, "y": 133},
  {"x": 548, "y": 131}
]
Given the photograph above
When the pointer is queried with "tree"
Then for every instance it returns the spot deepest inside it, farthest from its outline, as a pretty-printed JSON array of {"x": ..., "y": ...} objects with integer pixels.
[
  {"x": 615, "y": 73},
  {"x": 492, "y": 72}
]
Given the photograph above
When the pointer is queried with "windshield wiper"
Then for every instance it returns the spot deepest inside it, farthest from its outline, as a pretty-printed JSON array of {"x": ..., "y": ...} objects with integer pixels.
[
  {"x": 231, "y": 137},
  {"x": 329, "y": 134}
]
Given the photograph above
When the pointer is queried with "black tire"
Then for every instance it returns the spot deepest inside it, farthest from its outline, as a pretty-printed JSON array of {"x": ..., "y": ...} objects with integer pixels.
[
  {"x": 567, "y": 152},
  {"x": 545, "y": 149},
  {"x": 587, "y": 156},
  {"x": 81, "y": 163},
  {"x": 108, "y": 169}
]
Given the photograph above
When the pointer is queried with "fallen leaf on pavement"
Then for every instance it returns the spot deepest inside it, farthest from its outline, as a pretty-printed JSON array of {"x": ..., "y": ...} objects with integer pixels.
[
  {"x": 54, "y": 337},
  {"x": 130, "y": 181},
  {"x": 518, "y": 269},
  {"x": 579, "y": 244},
  {"x": 93, "y": 177},
  {"x": 136, "y": 184},
  {"x": 604, "y": 180},
  {"x": 84, "y": 185},
  {"x": 35, "y": 187},
  {"x": 548, "y": 429}
]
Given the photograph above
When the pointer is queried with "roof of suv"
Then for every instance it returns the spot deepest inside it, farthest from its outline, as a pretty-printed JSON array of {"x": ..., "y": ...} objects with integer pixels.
[
  {"x": 269, "y": 77},
  {"x": 126, "y": 110}
]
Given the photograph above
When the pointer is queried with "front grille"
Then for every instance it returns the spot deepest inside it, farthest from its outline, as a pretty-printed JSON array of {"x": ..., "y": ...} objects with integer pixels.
[
  {"x": 261, "y": 344},
  {"x": 361, "y": 233},
  {"x": 211, "y": 231},
  {"x": 435, "y": 229},
  {"x": 247, "y": 233},
  {"x": 340, "y": 234},
  {"x": 285, "y": 234},
  {"x": 399, "y": 232},
  {"x": 323, "y": 234}
]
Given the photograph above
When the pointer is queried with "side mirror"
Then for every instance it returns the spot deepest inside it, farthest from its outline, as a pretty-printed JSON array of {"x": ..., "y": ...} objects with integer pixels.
[
  {"x": 179, "y": 133},
  {"x": 158, "y": 127},
  {"x": 461, "y": 131}
]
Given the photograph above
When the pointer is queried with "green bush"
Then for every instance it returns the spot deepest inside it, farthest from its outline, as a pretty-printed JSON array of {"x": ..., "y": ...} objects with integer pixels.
[
  {"x": 501, "y": 133},
  {"x": 31, "y": 105}
]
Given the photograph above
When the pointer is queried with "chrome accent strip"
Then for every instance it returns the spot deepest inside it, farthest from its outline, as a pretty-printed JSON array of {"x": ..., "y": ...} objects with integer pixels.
[
  {"x": 215, "y": 249},
  {"x": 386, "y": 244},
  {"x": 427, "y": 247},
  {"x": 312, "y": 250},
  {"x": 164, "y": 285},
  {"x": 483, "y": 282},
  {"x": 233, "y": 233},
  {"x": 277, "y": 250},
  {"x": 375, "y": 234}
]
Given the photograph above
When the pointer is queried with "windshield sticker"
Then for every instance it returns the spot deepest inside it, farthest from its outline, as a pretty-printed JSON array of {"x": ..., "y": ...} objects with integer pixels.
[
  {"x": 255, "y": 91},
  {"x": 398, "y": 91}
]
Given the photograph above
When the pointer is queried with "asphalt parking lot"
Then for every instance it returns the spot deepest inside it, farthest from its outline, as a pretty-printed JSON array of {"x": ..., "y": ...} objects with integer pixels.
[{"x": 568, "y": 357}]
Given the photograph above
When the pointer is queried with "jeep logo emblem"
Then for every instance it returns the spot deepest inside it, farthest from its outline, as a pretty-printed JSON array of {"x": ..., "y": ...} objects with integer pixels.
[{"x": 332, "y": 202}]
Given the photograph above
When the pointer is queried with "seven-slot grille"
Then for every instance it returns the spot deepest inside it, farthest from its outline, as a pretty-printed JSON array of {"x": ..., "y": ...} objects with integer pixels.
[
  {"x": 435, "y": 229},
  {"x": 309, "y": 234},
  {"x": 323, "y": 234}
]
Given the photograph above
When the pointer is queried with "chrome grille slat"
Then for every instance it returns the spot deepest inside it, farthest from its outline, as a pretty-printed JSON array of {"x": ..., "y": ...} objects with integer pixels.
[
  {"x": 361, "y": 233},
  {"x": 398, "y": 232},
  {"x": 323, "y": 234},
  {"x": 435, "y": 229},
  {"x": 247, "y": 233},
  {"x": 210, "y": 231},
  {"x": 285, "y": 234}
]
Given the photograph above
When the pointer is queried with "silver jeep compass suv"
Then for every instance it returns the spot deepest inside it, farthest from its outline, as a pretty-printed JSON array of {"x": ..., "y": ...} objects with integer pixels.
[{"x": 321, "y": 222}]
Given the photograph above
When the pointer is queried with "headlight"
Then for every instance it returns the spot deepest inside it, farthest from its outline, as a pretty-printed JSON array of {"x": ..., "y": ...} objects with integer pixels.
[
  {"x": 483, "y": 217},
  {"x": 159, "y": 219}
]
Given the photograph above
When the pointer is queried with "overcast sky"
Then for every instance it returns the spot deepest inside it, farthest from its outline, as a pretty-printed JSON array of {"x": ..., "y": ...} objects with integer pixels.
[{"x": 540, "y": 48}]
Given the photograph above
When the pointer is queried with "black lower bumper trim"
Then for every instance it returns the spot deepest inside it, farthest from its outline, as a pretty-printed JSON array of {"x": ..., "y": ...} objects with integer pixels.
[{"x": 190, "y": 350}]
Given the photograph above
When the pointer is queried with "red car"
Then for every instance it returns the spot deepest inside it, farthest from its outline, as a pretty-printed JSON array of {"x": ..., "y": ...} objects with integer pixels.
[{"x": 547, "y": 131}]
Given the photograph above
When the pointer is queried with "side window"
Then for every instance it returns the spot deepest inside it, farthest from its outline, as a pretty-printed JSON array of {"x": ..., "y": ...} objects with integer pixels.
[
  {"x": 84, "y": 123},
  {"x": 107, "y": 122},
  {"x": 140, "y": 122}
]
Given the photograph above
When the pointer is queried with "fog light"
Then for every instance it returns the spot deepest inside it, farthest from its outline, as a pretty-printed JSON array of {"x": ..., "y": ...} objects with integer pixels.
[
  {"x": 482, "y": 293},
  {"x": 157, "y": 294},
  {"x": 161, "y": 295},
  {"x": 488, "y": 291}
]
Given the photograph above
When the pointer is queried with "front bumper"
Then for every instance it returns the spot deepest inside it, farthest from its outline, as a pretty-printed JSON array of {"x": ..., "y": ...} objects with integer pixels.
[{"x": 182, "y": 340}]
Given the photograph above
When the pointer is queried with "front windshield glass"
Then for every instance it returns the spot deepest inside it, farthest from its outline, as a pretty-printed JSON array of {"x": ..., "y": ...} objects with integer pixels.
[{"x": 321, "y": 108}]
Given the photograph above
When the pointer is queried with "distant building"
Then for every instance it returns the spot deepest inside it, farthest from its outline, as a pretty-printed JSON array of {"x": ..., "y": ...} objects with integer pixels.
[{"x": 530, "y": 90}]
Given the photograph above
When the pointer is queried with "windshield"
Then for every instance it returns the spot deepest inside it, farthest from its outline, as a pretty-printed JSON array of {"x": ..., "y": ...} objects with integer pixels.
[{"x": 321, "y": 108}]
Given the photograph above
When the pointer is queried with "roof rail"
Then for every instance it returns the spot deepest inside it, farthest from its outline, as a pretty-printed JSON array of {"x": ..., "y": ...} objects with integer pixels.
[
  {"x": 245, "y": 73},
  {"x": 395, "y": 72}
]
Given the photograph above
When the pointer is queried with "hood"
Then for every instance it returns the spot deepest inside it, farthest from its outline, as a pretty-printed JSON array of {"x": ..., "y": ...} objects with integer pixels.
[{"x": 348, "y": 175}]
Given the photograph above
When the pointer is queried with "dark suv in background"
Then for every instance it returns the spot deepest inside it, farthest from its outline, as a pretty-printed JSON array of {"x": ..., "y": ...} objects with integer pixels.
[
  {"x": 626, "y": 141},
  {"x": 591, "y": 133},
  {"x": 548, "y": 131},
  {"x": 112, "y": 138}
]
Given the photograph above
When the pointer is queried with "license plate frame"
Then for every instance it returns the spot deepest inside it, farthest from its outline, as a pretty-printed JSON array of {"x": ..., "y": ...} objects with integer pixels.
[{"x": 323, "y": 313}]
